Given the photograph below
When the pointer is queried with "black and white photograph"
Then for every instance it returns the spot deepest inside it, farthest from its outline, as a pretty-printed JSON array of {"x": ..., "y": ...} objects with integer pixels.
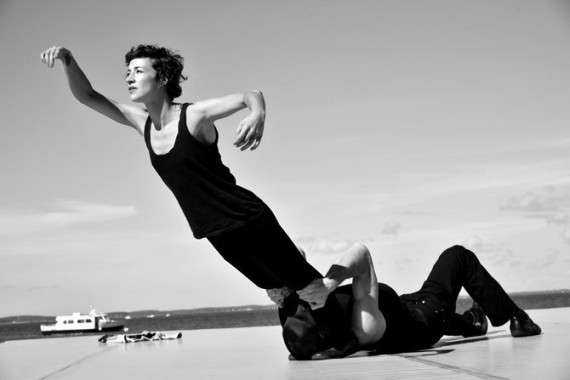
[{"x": 263, "y": 189}]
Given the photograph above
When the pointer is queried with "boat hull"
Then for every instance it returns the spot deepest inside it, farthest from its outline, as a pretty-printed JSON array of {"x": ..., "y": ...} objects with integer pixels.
[{"x": 49, "y": 330}]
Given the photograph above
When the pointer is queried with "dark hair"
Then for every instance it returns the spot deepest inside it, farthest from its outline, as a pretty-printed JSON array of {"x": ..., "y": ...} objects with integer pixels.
[
  {"x": 307, "y": 332},
  {"x": 302, "y": 334},
  {"x": 304, "y": 338},
  {"x": 168, "y": 65}
]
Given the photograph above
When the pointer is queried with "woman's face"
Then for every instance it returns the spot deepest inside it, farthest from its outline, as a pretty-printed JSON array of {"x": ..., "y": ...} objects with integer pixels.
[{"x": 141, "y": 80}]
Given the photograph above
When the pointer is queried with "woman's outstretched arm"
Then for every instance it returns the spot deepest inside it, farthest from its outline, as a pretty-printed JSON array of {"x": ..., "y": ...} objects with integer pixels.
[{"x": 83, "y": 91}]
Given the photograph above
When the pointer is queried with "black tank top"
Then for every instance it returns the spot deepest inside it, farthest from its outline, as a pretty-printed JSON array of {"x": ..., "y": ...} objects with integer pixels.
[{"x": 205, "y": 188}]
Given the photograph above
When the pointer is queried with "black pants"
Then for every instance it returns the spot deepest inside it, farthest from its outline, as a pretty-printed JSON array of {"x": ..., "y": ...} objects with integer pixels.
[
  {"x": 265, "y": 254},
  {"x": 433, "y": 306}
]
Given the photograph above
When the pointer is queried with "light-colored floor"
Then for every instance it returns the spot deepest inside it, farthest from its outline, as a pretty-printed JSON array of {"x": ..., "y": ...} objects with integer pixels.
[{"x": 258, "y": 353}]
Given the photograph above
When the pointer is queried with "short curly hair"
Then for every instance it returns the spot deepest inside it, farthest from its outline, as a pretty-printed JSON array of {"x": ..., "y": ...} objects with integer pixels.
[{"x": 167, "y": 63}]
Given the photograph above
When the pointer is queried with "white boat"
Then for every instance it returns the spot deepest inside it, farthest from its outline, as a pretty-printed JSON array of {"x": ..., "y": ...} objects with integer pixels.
[{"x": 77, "y": 322}]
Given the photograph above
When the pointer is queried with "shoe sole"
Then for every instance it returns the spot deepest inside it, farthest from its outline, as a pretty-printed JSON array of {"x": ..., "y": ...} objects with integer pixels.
[{"x": 522, "y": 333}]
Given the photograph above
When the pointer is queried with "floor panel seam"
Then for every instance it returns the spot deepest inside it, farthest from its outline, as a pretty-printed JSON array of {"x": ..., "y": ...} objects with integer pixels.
[
  {"x": 481, "y": 375},
  {"x": 75, "y": 363}
]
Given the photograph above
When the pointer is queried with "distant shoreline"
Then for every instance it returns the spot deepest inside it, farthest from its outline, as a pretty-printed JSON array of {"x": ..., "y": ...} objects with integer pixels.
[
  {"x": 144, "y": 313},
  {"x": 544, "y": 299},
  {"x": 28, "y": 327}
]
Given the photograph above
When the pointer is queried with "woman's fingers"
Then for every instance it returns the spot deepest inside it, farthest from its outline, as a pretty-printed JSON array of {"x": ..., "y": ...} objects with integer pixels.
[
  {"x": 50, "y": 55},
  {"x": 249, "y": 133},
  {"x": 248, "y": 138}
]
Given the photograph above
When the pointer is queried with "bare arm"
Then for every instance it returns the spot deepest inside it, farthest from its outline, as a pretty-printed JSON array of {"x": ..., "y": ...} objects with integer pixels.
[
  {"x": 83, "y": 91},
  {"x": 250, "y": 129},
  {"x": 356, "y": 263},
  {"x": 367, "y": 322}
]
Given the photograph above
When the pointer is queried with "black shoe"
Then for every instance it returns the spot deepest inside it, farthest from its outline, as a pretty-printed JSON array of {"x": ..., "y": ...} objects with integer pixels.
[
  {"x": 478, "y": 320},
  {"x": 522, "y": 325}
]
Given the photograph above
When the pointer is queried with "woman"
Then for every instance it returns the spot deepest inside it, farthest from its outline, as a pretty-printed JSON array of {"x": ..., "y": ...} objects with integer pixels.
[{"x": 182, "y": 143}]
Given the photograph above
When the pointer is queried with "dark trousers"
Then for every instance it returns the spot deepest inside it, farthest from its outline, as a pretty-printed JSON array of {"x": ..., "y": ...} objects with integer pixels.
[
  {"x": 264, "y": 253},
  {"x": 433, "y": 306}
]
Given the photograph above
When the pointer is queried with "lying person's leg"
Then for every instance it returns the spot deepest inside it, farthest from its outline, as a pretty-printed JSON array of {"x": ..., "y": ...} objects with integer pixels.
[
  {"x": 472, "y": 322},
  {"x": 458, "y": 267}
]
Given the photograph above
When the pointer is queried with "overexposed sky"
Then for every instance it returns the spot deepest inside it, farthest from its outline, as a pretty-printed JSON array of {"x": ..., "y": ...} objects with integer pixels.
[{"x": 408, "y": 125}]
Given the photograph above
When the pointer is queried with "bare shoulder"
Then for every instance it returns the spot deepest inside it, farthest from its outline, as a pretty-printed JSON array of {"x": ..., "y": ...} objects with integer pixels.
[
  {"x": 199, "y": 125},
  {"x": 136, "y": 116},
  {"x": 196, "y": 109},
  {"x": 195, "y": 114}
]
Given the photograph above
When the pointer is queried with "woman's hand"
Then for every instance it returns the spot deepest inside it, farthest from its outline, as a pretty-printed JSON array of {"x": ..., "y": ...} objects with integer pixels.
[
  {"x": 56, "y": 52},
  {"x": 278, "y": 295},
  {"x": 250, "y": 131},
  {"x": 317, "y": 292}
]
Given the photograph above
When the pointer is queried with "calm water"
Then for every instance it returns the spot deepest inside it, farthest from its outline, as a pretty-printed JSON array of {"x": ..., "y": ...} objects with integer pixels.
[
  {"x": 15, "y": 331},
  {"x": 247, "y": 318}
]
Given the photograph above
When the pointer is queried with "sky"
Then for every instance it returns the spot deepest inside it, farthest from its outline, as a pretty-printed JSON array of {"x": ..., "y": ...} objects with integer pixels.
[{"x": 410, "y": 126}]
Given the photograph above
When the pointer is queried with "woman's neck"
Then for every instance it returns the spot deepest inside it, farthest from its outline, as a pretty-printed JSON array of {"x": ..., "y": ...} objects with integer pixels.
[{"x": 162, "y": 112}]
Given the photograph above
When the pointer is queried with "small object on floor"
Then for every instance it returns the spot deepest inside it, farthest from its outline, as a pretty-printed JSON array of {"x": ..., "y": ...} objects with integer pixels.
[
  {"x": 145, "y": 336},
  {"x": 522, "y": 325}
]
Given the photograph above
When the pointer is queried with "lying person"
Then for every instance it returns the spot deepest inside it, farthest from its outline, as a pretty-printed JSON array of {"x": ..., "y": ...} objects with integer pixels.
[{"x": 384, "y": 322}]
